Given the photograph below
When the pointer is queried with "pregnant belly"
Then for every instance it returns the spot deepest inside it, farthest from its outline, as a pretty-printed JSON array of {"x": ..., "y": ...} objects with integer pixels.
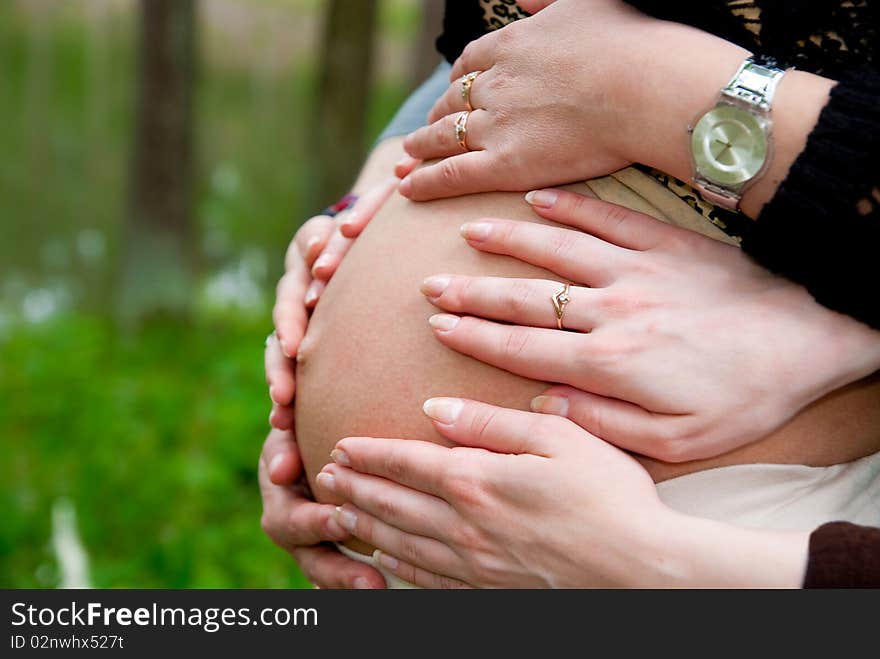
[{"x": 369, "y": 359}]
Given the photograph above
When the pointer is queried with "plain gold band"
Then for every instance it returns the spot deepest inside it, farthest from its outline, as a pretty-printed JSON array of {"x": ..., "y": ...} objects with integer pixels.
[{"x": 461, "y": 129}]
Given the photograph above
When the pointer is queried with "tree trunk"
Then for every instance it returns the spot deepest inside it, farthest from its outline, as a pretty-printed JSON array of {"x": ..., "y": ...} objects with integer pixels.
[
  {"x": 340, "y": 112},
  {"x": 425, "y": 55},
  {"x": 158, "y": 249}
]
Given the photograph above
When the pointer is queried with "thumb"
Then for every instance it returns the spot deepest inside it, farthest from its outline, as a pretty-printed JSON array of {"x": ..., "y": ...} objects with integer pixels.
[
  {"x": 498, "y": 429},
  {"x": 618, "y": 422}
]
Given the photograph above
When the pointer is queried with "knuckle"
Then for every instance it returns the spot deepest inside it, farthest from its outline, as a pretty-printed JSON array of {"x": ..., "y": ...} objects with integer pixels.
[
  {"x": 463, "y": 484},
  {"x": 394, "y": 466},
  {"x": 614, "y": 216},
  {"x": 386, "y": 508},
  {"x": 450, "y": 173},
  {"x": 563, "y": 245},
  {"x": 410, "y": 550},
  {"x": 515, "y": 343},
  {"x": 519, "y": 297}
]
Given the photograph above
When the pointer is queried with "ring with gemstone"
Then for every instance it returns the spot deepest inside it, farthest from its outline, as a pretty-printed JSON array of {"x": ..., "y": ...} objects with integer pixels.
[
  {"x": 466, "y": 82},
  {"x": 560, "y": 299}
]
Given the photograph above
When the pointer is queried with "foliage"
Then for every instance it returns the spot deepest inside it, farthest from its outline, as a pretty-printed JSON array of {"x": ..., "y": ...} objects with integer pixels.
[
  {"x": 153, "y": 433},
  {"x": 154, "y": 437}
]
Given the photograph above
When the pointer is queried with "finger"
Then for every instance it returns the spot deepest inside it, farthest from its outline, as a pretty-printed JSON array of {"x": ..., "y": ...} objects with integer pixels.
[
  {"x": 326, "y": 264},
  {"x": 453, "y": 99},
  {"x": 415, "y": 464},
  {"x": 310, "y": 240},
  {"x": 440, "y": 139},
  {"x": 281, "y": 417},
  {"x": 518, "y": 301},
  {"x": 416, "y": 575},
  {"x": 405, "y": 166},
  {"x": 497, "y": 429},
  {"x": 326, "y": 567},
  {"x": 427, "y": 553},
  {"x": 628, "y": 426},
  {"x": 533, "y": 352},
  {"x": 572, "y": 255},
  {"x": 367, "y": 206},
  {"x": 478, "y": 55},
  {"x": 468, "y": 173},
  {"x": 281, "y": 456},
  {"x": 613, "y": 223},
  {"x": 402, "y": 507},
  {"x": 313, "y": 293},
  {"x": 289, "y": 314},
  {"x": 290, "y": 519},
  {"x": 280, "y": 374}
]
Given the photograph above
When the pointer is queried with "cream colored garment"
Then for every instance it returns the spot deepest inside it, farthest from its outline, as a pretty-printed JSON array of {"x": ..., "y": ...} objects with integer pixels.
[
  {"x": 765, "y": 496},
  {"x": 393, "y": 582},
  {"x": 761, "y": 496}
]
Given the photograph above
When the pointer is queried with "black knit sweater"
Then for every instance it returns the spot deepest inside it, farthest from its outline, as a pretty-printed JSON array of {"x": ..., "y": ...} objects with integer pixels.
[{"x": 822, "y": 228}]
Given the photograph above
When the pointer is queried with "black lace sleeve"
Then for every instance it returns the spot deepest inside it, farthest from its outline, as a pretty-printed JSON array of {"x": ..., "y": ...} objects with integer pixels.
[{"x": 822, "y": 229}]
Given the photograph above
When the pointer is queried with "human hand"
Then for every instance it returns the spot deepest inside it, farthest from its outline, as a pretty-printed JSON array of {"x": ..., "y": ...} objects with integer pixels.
[
  {"x": 528, "y": 500},
  {"x": 298, "y": 525},
  {"x": 680, "y": 347},
  {"x": 312, "y": 258},
  {"x": 576, "y": 91}
]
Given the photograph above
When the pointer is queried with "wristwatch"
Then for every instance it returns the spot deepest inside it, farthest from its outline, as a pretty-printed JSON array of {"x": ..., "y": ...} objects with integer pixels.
[{"x": 730, "y": 143}]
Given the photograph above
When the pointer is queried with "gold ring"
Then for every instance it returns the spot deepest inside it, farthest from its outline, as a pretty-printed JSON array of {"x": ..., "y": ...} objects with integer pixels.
[
  {"x": 466, "y": 82},
  {"x": 461, "y": 130},
  {"x": 560, "y": 299}
]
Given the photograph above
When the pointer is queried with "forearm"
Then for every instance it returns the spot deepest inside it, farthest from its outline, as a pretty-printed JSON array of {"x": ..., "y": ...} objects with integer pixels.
[
  {"x": 692, "y": 67},
  {"x": 680, "y": 551}
]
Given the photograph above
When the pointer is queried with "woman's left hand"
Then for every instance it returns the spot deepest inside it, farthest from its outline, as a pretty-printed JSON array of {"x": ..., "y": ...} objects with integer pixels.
[
  {"x": 579, "y": 90},
  {"x": 500, "y": 517},
  {"x": 679, "y": 346}
]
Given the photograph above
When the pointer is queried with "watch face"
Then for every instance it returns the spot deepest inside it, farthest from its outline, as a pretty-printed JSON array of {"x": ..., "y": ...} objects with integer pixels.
[{"x": 729, "y": 145}]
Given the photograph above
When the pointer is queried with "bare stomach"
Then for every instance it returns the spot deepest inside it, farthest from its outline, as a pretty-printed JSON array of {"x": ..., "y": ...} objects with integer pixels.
[{"x": 370, "y": 360}]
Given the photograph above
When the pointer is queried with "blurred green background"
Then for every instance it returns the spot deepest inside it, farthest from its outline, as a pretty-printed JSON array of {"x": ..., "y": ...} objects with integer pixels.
[{"x": 131, "y": 424}]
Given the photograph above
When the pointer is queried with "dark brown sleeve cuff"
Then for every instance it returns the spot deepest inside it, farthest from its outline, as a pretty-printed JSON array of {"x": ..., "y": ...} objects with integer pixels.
[{"x": 844, "y": 555}]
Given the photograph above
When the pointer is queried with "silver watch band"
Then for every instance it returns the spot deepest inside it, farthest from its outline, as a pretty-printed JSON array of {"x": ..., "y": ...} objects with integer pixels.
[
  {"x": 752, "y": 87},
  {"x": 754, "y": 84}
]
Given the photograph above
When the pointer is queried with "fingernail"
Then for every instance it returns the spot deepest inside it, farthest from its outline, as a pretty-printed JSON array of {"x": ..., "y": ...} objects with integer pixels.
[
  {"x": 322, "y": 262},
  {"x": 311, "y": 293},
  {"x": 405, "y": 187},
  {"x": 313, "y": 241},
  {"x": 542, "y": 198},
  {"x": 326, "y": 480},
  {"x": 283, "y": 345},
  {"x": 443, "y": 322},
  {"x": 271, "y": 414},
  {"x": 334, "y": 531},
  {"x": 476, "y": 231},
  {"x": 385, "y": 560},
  {"x": 402, "y": 162},
  {"x": 340, "y": 457},
  {"x": 444, "y": 410},
  {"x": 272, "y": 394},
  {"x": 434, "y": 286},
  {"x": 550, "y": 405},
  {"x": 361, "y": 584},
  {"x": 274, "y": 462},
  {"x": 347, "y": 519}
]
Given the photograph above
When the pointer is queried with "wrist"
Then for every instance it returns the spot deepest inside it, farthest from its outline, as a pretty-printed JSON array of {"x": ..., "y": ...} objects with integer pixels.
[
  {"x": 692, "y": 67},
  {"x": 702, "y": 553}
]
